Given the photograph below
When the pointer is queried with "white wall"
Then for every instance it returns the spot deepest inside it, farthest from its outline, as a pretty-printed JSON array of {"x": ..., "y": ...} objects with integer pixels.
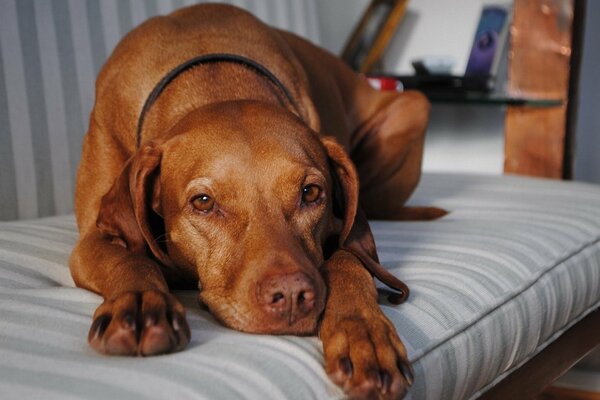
[
  {"x": 429, "y": 27},
  {"x": 460, "y": 137},
  {"x": 337, "y": 19},
  {"x": 434, "y": 27}
]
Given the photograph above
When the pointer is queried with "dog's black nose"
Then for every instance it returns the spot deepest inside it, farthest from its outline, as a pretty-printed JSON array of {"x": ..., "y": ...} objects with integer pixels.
[{"x": 287, "y": 297}]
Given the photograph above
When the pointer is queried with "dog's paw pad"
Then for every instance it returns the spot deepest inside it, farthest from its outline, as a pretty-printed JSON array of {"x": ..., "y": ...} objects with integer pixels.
[{"x": 139, "y": 323}]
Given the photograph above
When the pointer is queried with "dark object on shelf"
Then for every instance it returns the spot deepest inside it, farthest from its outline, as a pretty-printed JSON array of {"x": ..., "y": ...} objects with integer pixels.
[
  {"x": 372, "y": 34},
  {"x": 433, "y": 65},
  {"x": 446, "y": 83}
]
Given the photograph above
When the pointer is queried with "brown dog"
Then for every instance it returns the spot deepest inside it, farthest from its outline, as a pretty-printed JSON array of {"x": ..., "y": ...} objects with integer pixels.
[{"x": 242, "y": 186}]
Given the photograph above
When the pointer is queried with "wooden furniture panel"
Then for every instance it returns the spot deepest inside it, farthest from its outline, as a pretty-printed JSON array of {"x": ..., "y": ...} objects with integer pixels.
[
  {"x": 539, "y": 68},
  {"x": 534, "y": 141}
]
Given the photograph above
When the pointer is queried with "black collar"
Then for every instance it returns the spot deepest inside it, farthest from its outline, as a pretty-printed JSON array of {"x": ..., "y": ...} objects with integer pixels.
[{"x": 209, "y": 58}]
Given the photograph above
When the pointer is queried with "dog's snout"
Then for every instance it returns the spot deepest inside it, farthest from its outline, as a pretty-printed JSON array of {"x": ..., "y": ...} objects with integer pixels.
[{"x": 287, "y": 297}]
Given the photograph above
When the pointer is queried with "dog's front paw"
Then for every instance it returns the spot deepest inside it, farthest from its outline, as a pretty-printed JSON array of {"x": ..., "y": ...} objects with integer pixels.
[
  {"x": 365, "y": 357},
  {"x": 140, "y": 323}
]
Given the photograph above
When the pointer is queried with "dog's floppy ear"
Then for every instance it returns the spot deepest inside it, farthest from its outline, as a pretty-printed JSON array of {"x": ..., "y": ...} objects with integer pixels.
[
  {"x": 355, "y": 234},
  {"x": 129, "y": 212}
]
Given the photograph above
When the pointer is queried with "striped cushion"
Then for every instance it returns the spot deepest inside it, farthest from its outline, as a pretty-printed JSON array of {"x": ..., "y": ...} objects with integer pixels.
[
  {"x": 515, "y": 263},
  {"x": 50, "y": 54}
]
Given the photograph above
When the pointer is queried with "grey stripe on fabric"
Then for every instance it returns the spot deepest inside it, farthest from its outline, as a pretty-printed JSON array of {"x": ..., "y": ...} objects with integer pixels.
[
  {"x": 51, "y": 236},
  {"x": 449, "y": 381},
  {"x": 13, "y": 284},
  {"x": 97, "y": 43},
  {"x": 23, "y": 391},
  {"x": 36, "y": 107},
  {"x": 83, "y": 66},
  {"x": 54, "y": 101},
  {"x": 472, "y": 357},
  {"x": 297, "y": 15},
  {"x": 51, "y": 244},
  {"x": 110, "y": 24},
  {"x": 420, "y": 382},
  {"x": 58, "y": 384},
  {"x": 24, "y": 313},
  {"x": 153, "y": 377},
  {"x": 312, "y": 22},
  {"x": 151, "y": 7},
  {"x": 282, "y": 17},
  {"x": 65, "y": 225},
  {"x": 138, "y": 12},
  {"x": 26, "y": 276},
  {"x": 8, "y": 188},
  {"x": 70, "y": 303},
  {"x": 163, "y": 7},
  {"x": 413, "y": 332},
  {"x": 124, "y": 17},
  {"x": 260, "y": 9},
  {"x": 18, "y": 111},
  {"x": 68, "y": 72},
  {"x": 58, "y": 257}
]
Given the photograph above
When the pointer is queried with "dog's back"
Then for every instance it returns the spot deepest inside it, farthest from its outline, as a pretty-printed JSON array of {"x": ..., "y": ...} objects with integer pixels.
[
  {"x": 151, "y": 51},
  {"x": 160, "y": 44}
]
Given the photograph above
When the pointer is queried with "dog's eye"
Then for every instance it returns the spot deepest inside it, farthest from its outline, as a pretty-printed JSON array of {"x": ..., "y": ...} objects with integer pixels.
[
  {"x": 203, "y": 203},
  {"x": 310, "y": 194}
]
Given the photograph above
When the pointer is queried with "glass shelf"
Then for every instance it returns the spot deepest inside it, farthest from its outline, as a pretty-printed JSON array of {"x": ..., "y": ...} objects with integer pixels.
[
  {"x": 489, "y": 99},
  {"x": 459, "y": 90}
]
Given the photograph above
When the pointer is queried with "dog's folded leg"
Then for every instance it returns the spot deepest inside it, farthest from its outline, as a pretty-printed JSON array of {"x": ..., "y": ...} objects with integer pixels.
[
  {"x": 139, "y": 316},
  {"x": 363, "y": 353},
  {"x": 388, "y": 151}
]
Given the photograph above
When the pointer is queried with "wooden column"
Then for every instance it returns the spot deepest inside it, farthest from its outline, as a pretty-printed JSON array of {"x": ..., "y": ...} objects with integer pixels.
[{"x": 539, "y": 60}]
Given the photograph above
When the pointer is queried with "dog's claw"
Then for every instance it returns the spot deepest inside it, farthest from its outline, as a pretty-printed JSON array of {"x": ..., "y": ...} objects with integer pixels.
[
  {"x": 346, "y": 366},
  {"x": 129, "y": 321},
  {"x": 386, "y": 381},
  {"x": 98, "y": 327},
  {"x": 407, "y": 371},
  {"x": 119, "y": 327},
  {"x": 366, "y": 358},
  {"x": 176, "y": 324}
]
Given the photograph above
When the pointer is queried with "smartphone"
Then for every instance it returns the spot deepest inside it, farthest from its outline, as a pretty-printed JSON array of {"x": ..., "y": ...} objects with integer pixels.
[{"x": 489, "y": 41}]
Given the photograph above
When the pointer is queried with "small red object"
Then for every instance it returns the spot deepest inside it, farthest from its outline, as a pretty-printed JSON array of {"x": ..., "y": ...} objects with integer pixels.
[{"x": 385, "y": 83}]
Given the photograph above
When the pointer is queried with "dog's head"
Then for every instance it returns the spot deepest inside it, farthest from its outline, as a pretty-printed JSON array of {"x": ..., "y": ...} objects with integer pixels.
[{"x": 247, "y": 200}]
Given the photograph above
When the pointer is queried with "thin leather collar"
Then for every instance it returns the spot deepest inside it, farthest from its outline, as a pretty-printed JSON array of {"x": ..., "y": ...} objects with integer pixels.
[{"x": 204, "y": 59}]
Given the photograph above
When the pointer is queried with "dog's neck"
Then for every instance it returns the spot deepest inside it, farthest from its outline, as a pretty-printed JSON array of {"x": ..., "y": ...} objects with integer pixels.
[{"x": 205, "y": 80}]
